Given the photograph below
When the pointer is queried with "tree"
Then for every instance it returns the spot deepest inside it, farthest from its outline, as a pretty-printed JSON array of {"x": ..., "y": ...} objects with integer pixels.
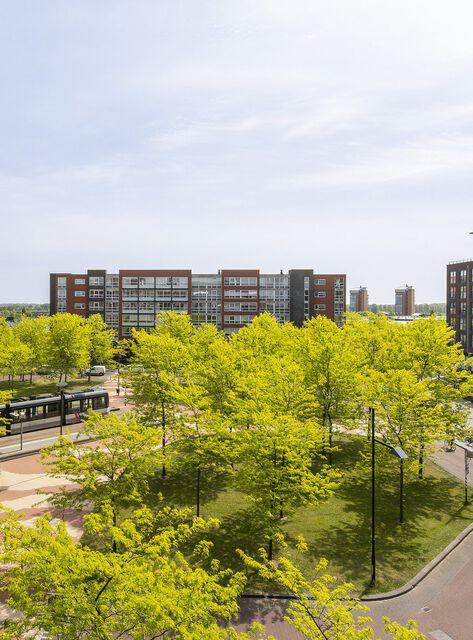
[
  {"x": 14, "y": 355},
  {"x": 159, "y": 361},
  {"x": 321, "y": 608},
  {"x": 202, "y": 444},
  {"x": 68, "y": 344},
  {"x": 331, "y": 373},
  {"x": 276, "y": 470},
  {"x": 147, "y": 591},
  {"x": 175, "y": 325},
  {"x": 116, "y": 472},
  {"x": 101, "y": 341},
  {"x": 33, "y": 333}
]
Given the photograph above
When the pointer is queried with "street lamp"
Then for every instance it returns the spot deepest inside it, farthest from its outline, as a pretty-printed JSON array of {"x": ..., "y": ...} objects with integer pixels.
[
  {"x": 402, "y": 455},
  {"x": 61, "y": 386},
  {"x": 468, "y": 449}
]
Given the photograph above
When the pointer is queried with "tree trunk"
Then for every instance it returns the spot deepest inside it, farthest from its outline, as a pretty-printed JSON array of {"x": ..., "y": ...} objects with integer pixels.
[
  {"x": 115, "y": 522},
  {"x": 163, "y": 423},
  {"x": 198, "y": 492},
  {"x": 270, "y": 547},
  {"x": 31, "y": 377},
  {"x": 330, "y": 439},
  {"x": 421, "y": 462}
]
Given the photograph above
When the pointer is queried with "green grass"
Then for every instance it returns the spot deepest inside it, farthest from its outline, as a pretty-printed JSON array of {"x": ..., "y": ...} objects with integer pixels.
[
  {"x": 42, "y": 385},
  {"x": 339, "y": 529}
]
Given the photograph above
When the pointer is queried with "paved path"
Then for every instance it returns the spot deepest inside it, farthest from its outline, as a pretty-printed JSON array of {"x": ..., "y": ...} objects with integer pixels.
[
  {"x": 25, "y": 488},
  {"x": 454, "y": 463}
]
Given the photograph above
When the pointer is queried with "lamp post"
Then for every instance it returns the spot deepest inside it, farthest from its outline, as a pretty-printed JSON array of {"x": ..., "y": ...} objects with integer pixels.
[
  {"x": 468, "y": 449},
  {"x": 61, "y": 386},
  {"x": 20, "y": 416},
  {"x": 402, "y": 455},
  {"x": 118, "y": 380}
]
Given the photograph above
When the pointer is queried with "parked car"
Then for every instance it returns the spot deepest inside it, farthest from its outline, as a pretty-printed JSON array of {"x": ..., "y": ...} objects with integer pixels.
[{"x": 96, "y": 370}]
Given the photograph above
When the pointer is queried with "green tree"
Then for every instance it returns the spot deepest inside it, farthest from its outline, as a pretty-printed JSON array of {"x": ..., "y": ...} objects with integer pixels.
[
  {"x": 14, "y": 355},
  {"x": 114, "y": 473},
  {"x": 147, "y": 591},
  {"x": 33, "y": 333},
  {"x": 159, "y": 361},
  {"x": 330, "y": 367},
  {"x": 276, "y": 470},
  {"x": 101, "y": 341},
  {"x": 68, "y": 344},
  {"x": 175, "y": 325}
]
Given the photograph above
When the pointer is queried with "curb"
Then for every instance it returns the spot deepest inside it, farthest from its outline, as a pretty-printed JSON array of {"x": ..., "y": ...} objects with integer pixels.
[
  {"x": 15, "y": 455},
  {"x": 423, "y": 573},
  {"x": 388, "y": 595}
]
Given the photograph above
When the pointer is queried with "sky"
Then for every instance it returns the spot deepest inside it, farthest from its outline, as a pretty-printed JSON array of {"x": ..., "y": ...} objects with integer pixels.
[{"x": 269, "y": 134}]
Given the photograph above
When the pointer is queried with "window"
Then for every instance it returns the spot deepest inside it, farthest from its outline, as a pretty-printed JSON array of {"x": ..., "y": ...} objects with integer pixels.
[
  {"x": 320, "y": 281},
  {"x": 240, "y": 281},
  {"x": 180, "y": 282},
  {"x": 238, "y": 319},
  {"x": 79, "y": 280},
  {"x": 320, "y": 294},
  {"x": 96, "y": 293},
  {"x": 145, "y": 306},
  {"x": 95, "y": 306},
  {"x": 320, "y": 307},
  {"x": 463, "y": 292},
  {"x": 130, "y": 282},
  {"x": 463, "y": 275},
  {"x": 79, "y": 294},
  {"x": 79, "y": 305},
  {"x": 241, "y": 293},
  {"x": 240, "y": 306},
  {"x": 96, "y": 280},
  {"x": 453, "y": 277},
  {"x": 146, "y": 282},
  {"x": 163, "y": 282}
]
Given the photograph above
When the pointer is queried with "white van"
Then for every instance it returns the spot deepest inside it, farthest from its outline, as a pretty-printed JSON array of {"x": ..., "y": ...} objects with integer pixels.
[{"x": 96, "y": 370}]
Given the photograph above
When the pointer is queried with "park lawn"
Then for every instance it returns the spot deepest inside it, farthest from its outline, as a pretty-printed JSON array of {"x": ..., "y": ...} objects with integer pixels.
[
  {"x": 339, "y": 529},
  {"x": 42, "y": 385}
]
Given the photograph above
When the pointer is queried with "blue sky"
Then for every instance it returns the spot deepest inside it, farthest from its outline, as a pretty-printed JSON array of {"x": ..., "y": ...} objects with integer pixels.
[{"x": 274, "y": 134}]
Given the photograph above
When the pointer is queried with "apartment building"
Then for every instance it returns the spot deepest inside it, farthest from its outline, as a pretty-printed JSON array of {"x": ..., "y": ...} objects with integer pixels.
[
  {"x": 404, "y": 303},
  {"x": 229, "y": 299},
  {"x": 359, "y": 300},
  {"x": 460, "y": 301}
]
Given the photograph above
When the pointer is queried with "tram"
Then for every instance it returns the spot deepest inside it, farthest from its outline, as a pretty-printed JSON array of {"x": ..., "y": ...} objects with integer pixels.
[{"x": 44, "y": 412}]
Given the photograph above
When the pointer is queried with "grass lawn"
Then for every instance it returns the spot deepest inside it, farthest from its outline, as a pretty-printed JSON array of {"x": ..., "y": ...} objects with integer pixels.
[
  {"x": 43, "y": 385},
  {"x": 339, "y": 530}
]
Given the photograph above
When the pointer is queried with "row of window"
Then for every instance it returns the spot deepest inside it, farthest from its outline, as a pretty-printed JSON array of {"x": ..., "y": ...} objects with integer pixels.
[
  {"x": 240, "y": 306},
  {"x": 240, "y": 281},
  {"x": 154, "y": 294},
  {"x": 178, "y": 282}
]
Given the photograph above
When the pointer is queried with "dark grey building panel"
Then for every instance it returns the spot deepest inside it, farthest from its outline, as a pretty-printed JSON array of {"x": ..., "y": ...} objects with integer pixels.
[{"x": 298, "y": 302}]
